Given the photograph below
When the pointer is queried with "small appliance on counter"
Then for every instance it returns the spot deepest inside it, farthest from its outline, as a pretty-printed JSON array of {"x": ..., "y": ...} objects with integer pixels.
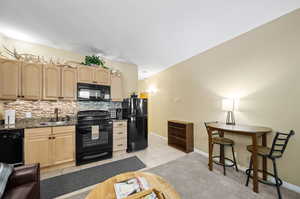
[
  {"x": 10, "y": 117},
  {"x": 94, "y": 136},
  {"x": 136, "y": 112},
  {"x": 116, "y": 113}
]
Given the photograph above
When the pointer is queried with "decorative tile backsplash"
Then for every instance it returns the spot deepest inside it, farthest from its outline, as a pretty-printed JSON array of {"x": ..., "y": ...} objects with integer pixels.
[
  {"x": 40, "y": 109},
  {"x": 83, "y": 106},
  {"x": 45, "y": 109}
]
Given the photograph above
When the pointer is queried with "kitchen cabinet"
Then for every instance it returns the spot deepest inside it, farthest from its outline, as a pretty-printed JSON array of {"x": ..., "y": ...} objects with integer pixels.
[
  {"x": 51, "y": 146},
  {"x": 119, "y": 135},
  {"x": 51, "y": 82},
  {"x": 93, "y": 75},
  {"x": 101, "y": 76},
  {"x": 38, "y": 146},
  {"x": 9, "y": 79},
  {"x": 85, "y": 74},
  {"x": 63, "y": 145},
  {"x": 116, "y": 88},
  {"x": 31, "y": 77},
  {"x": 68, "y": 83}
]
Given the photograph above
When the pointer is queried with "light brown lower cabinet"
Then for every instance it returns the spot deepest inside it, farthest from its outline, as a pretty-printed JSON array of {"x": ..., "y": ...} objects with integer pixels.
[
  {"x": 119, "y": 135},
  {"x": 50, "y": 146}
]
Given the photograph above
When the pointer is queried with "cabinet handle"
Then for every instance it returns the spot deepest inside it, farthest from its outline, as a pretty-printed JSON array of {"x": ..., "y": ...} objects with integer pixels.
[
  {"x": 94, "y": 82},
  {"x": 120, "y": 124},
  {"x": 120, "y": 133},
  {"x": 50, "y": 138},
  {"x": 120, "y": 144}
]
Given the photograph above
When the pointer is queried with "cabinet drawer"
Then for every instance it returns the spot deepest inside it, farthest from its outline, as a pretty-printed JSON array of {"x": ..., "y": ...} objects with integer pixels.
[
  {"x": 122, "y": 124},
  {"x": 63, "y": 129},
  {"x": 120, "y": 144},
  {"x": 120, "y": 133},
  {"x": 37, "y": 132}
]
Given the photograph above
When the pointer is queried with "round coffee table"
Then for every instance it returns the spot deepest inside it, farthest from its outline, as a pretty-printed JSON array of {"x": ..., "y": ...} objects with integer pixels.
[{"x": 105, "y": 190}]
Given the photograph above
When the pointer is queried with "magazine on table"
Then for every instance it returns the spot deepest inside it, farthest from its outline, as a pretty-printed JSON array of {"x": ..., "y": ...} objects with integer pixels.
[
  {"x": 130, "y": 187},
  {"x": 152, "y": 195}
]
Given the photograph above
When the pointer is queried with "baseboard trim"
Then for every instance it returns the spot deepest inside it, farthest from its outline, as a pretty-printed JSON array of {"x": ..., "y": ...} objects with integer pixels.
[
  {"x": 285, "y": 184},
  {"x": 157, "y": 135}
]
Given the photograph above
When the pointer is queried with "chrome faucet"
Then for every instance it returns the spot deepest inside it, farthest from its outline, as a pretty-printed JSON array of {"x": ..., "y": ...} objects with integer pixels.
[{"x": 56, "y": 114}]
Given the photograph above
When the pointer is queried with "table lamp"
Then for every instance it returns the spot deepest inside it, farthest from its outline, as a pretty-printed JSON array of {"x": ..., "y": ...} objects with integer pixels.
[{"x": 229, "y": 106}]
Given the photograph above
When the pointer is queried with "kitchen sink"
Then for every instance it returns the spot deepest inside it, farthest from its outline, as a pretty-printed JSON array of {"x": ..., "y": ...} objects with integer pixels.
[{"x": 53, "y": 123}]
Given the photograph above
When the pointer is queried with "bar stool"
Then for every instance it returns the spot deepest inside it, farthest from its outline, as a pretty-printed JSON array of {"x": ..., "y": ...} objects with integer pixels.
[
  {"x": 223, "y": 142},
  {"x": 280, "y": 142}
]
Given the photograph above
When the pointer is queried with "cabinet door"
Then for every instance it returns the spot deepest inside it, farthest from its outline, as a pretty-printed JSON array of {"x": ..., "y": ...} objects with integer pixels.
[
  {"x": 63, "y": 144},
  {"x": 102, "y": 76},
  {"x": 51, "y": 82},
  {"x": 9, "y": 79},
  {"x": 69, "y": 83},
  {"x": 85, "y": 74},
  {"x": 116, "y": 88},
  {"x": 31, "y": 81},
  {"x": 38, "y": 146}
]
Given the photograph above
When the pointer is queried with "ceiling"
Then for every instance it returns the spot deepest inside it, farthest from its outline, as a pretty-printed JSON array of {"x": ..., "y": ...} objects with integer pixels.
[{"x": 153, "y": 34}]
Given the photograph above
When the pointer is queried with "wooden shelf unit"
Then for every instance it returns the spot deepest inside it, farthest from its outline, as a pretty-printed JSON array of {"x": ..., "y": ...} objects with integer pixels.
[{"x": 181, "y": 135}]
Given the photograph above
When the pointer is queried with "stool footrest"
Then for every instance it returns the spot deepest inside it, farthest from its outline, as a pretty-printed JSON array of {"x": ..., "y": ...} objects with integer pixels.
[
  {"x": 219, "y": 163},
  {"x": 267, "y": 182}
]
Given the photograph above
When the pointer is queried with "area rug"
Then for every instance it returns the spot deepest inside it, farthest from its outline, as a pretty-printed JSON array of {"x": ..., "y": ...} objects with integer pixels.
[
  {"x": 189, "y": 175},
  {"x": 57, "y": 186}
]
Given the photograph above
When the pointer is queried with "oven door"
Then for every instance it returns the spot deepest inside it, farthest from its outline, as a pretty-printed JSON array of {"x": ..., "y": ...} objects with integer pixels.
[
  {"x": 93, "y": 137},
  {"x": 91, "y": 92}
]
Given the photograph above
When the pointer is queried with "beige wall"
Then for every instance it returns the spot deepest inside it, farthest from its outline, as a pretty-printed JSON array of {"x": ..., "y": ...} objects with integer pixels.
[
  {"x": 129, "y": 71},
  {"x": 261, "y": 67},
  {"x": 36, "y": 49},
  {"x": 129, "y": 75}
]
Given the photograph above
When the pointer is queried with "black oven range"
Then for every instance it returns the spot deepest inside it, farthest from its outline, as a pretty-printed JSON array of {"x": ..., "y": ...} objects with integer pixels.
[{"x": 93, "y": 136}]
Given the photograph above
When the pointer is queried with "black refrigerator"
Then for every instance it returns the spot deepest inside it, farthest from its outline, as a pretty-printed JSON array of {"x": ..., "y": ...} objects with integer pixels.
[{"x": 136, "y": 112}]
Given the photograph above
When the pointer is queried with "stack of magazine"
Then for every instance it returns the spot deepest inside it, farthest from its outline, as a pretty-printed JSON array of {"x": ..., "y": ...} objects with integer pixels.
[{"x": 131, "y": 186}]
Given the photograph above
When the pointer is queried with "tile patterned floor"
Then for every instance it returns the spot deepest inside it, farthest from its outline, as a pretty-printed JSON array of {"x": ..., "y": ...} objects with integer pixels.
[{"x": 156, "y": 154}]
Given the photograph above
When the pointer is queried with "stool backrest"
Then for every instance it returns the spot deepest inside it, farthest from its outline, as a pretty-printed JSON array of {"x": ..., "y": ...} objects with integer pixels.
[
  {"x": 207, "y": 127},
  {"x": 280, "y": 142}
]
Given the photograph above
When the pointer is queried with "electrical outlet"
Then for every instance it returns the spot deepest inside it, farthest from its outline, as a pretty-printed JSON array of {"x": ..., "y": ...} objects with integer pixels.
[{"x": 28, "y": 115}]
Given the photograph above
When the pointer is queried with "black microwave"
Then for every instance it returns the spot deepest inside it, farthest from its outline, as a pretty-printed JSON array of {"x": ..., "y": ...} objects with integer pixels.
[{"x": 92, "y": 92}]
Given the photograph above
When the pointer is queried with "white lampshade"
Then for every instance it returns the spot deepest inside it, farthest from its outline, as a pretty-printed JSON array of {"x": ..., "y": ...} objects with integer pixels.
[{"x": 228, "y": 105}]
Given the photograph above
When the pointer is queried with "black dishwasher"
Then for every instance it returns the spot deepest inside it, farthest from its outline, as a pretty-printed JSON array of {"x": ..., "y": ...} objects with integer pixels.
[{"x": 12, "y": 146}]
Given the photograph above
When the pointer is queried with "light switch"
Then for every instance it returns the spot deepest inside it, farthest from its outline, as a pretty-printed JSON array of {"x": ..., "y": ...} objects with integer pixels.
[{"x": 28, "y": 115}]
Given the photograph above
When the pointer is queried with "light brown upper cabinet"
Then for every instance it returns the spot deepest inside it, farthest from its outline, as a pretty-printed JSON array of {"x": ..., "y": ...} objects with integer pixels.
[
  {"x": 31, "y": 81},
  {"x": 116, "y": 88},
  {"x": 101, "y": 76},
  {"x": 9, "y": 79},
  {"x": 69, "y": 83},
  {"x": 85, "y": 74},
  {"x": 93, "y": 75},
  {"x": 51, "y": 82}
]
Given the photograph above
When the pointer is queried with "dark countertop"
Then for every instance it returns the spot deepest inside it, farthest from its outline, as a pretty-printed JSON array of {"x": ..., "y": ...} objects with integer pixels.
[
  {"x": 36, "y": 123},
  {"x": 121, "y": 120}
]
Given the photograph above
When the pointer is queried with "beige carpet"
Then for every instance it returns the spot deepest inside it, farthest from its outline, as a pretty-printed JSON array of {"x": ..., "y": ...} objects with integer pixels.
[{"x": 191, "y": 178}]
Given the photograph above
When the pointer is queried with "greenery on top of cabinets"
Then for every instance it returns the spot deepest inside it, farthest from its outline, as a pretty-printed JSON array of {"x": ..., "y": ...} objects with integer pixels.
[{"x": 94, "y": 60}]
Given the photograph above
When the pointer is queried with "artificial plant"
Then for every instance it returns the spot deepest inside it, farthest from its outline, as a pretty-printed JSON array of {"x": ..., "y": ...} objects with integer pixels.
[{"x": 94, "y": 60}]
